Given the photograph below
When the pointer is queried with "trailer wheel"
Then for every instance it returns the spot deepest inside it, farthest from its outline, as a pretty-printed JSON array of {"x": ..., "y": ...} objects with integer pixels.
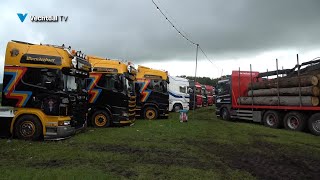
[
  {"x": 314, "y": 124},
  {"x": 150, "y": 113},
  {"x": 225, "y": 114},
  {"x": 28, "y": 127},
  {"x": 177, "y": 107},
  {"x": 295, "y": 121},
  {"x": 100, "y": 119},
  {"x": 272, "y": 119}
]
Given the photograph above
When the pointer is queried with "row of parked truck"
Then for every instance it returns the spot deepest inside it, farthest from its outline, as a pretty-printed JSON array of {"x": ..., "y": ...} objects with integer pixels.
[
  {"x": 52, "y": 92},
  {"x": 182, "y": 93}
]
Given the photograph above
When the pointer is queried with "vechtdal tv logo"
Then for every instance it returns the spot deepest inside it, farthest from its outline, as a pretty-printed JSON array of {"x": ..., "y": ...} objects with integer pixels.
[{"x": 22, "y": 18}]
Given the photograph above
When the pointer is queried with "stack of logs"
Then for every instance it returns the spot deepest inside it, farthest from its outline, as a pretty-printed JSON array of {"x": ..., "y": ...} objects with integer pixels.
[{"x": 284, "y": 91}]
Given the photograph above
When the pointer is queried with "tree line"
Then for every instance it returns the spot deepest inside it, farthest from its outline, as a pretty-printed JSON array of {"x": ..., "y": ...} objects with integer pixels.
[{"x": 203, "y": 80}]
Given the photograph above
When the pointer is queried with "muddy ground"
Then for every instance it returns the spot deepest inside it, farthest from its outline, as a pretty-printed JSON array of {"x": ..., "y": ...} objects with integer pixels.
[{"x": 261, "y": 159}]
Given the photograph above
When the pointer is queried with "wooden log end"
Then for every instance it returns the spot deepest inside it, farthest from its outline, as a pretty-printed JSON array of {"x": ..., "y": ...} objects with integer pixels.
[
  {"x": 314, "y": 80},
  {"x": 314, "y": 101},
  {"x": 315, "y": 91}
]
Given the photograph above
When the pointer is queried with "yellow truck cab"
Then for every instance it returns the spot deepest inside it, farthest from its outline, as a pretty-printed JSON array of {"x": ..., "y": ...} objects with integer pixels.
[
  {"x": 43, "y": 92},
  {"x": 152, "y": 95},
  {"x": 112, "y": 98}
]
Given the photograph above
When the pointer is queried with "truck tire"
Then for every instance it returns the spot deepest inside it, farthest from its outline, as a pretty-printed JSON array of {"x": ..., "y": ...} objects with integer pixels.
[
  {"x": 150, "y": 113},
  {"x": 177, "y": 107},
  {"x": 225, "y": 114},
  {"x": 272, "y": 119},
  {"x": 314, "y": 124},
  {"x": 295, "y": 121},
  {"x": 100, "y": 119},
  {"x": 28, "y": 127}
]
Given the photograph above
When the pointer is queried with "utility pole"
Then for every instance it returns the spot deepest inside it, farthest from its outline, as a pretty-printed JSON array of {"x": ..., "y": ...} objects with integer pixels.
[{"x": 195, "y": 80}]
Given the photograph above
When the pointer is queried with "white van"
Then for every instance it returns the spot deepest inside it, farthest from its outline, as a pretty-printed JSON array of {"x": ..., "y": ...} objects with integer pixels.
[{"x": 178, "y": 94}]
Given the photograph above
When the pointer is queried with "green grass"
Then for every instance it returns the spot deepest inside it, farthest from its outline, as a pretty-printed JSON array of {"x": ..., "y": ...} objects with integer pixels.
[{"x": 203, "y": 148}]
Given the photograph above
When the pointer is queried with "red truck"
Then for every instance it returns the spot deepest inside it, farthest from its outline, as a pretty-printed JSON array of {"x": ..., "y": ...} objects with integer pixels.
[
  {"x": 199, "y": 95},
  {"x": 230, "y": 90},
  {"x": 210, "y": 94}
]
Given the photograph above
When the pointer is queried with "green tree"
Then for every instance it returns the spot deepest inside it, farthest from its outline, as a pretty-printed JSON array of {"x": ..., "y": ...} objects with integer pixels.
[{"x": 203, "y": 80}]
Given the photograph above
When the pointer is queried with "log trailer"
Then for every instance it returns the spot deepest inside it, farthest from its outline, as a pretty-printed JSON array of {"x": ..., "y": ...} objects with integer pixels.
[
  {"x": 43, "y": 92},
  {"x": 152, "y": 93},
  {"x": 290, "y": 100},
  {"x": 111, "y": 90}
]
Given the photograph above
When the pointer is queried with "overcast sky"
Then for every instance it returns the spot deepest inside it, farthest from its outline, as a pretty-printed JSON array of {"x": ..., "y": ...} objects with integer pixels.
[{"x": 233, "y": 33}]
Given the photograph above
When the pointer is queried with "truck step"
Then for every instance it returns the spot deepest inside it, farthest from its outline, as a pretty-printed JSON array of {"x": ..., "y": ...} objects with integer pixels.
[
  {"x": 246, "y": 118},
  {"x": 245, "y": 115},
  {"x": 244, "y": 111}
]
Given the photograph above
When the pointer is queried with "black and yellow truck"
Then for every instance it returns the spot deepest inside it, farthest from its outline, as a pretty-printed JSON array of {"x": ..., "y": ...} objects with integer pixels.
[
  {"x": 111, "y": 89},
  {"x": 43, "y": 92},
  {"x": 152, "y": 93}
]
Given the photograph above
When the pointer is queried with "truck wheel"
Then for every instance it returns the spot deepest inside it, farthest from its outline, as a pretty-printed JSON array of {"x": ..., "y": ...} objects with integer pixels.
[
  {"x": 177, "y": 107},
  {"x": 314, "y": 124},
  {"x": 150, "y": 113},
  {"x": 225, "y": 114},
  {"x": 295, "y": 121},
  {"x": 100, "y": 119},
  {"x": 272, "y": 119},
  {"x": 28, "y": 127}
]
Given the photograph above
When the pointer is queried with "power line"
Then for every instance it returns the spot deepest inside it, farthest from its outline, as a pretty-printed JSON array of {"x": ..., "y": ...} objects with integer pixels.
[
  {"x": 184, "y": 34},
  {"x": 175, "y": 27},
  {"x": 208, "y": 58},
  {"x": 174, "y": 21}
]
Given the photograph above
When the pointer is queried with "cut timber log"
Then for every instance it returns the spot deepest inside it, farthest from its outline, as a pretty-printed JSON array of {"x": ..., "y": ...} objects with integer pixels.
[
  {"x": 284, "y": 100},
  {"x": 285, "y": 82},
  {"x": 294, "y": 91}
]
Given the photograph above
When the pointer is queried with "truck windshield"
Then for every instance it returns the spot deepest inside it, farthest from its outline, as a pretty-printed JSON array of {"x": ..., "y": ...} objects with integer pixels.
[
  {"x": 198, "y": 90},
  {"x": 164, "y": 85},
  {"x": 73, "y": 83},
  {"x": 223, "y": 87},
  {"x": 81, "y": 83},
  {"x": 70, "y": 83},
  {"x": 204, "y": 92}
]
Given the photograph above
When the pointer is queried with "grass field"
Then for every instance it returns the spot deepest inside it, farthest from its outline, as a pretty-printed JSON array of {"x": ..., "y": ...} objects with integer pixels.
[{"x": 203, "y": 148}]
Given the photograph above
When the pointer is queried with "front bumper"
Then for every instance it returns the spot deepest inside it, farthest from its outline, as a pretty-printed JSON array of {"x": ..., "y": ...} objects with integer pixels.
[
  {"x": 122, "y": 120},
  {"x": 186, "y": 107},
  {"x": 127, "y": 122},
  {"x": 59, "y": 132},
  {"x": 163, "y": 113}
]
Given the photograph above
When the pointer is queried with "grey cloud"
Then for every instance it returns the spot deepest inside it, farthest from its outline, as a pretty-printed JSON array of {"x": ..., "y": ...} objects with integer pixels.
[{"x": 135, "y": 30}]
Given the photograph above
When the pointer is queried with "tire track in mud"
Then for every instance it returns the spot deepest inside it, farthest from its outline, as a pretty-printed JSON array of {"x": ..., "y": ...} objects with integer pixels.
[{"x": 263, "y": 160}]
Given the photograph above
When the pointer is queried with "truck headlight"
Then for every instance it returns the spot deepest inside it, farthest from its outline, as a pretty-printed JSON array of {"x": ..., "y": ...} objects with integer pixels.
[
  {"x": 63, "y": 123},
  {"x": 125, "y": 114}
]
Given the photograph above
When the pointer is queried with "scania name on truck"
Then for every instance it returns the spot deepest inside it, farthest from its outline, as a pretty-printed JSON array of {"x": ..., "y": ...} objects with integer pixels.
[
  {"x": 111, "y": 89},
  {"x": 43, "y": 91},
  {"x": 152, "y": 95}
]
